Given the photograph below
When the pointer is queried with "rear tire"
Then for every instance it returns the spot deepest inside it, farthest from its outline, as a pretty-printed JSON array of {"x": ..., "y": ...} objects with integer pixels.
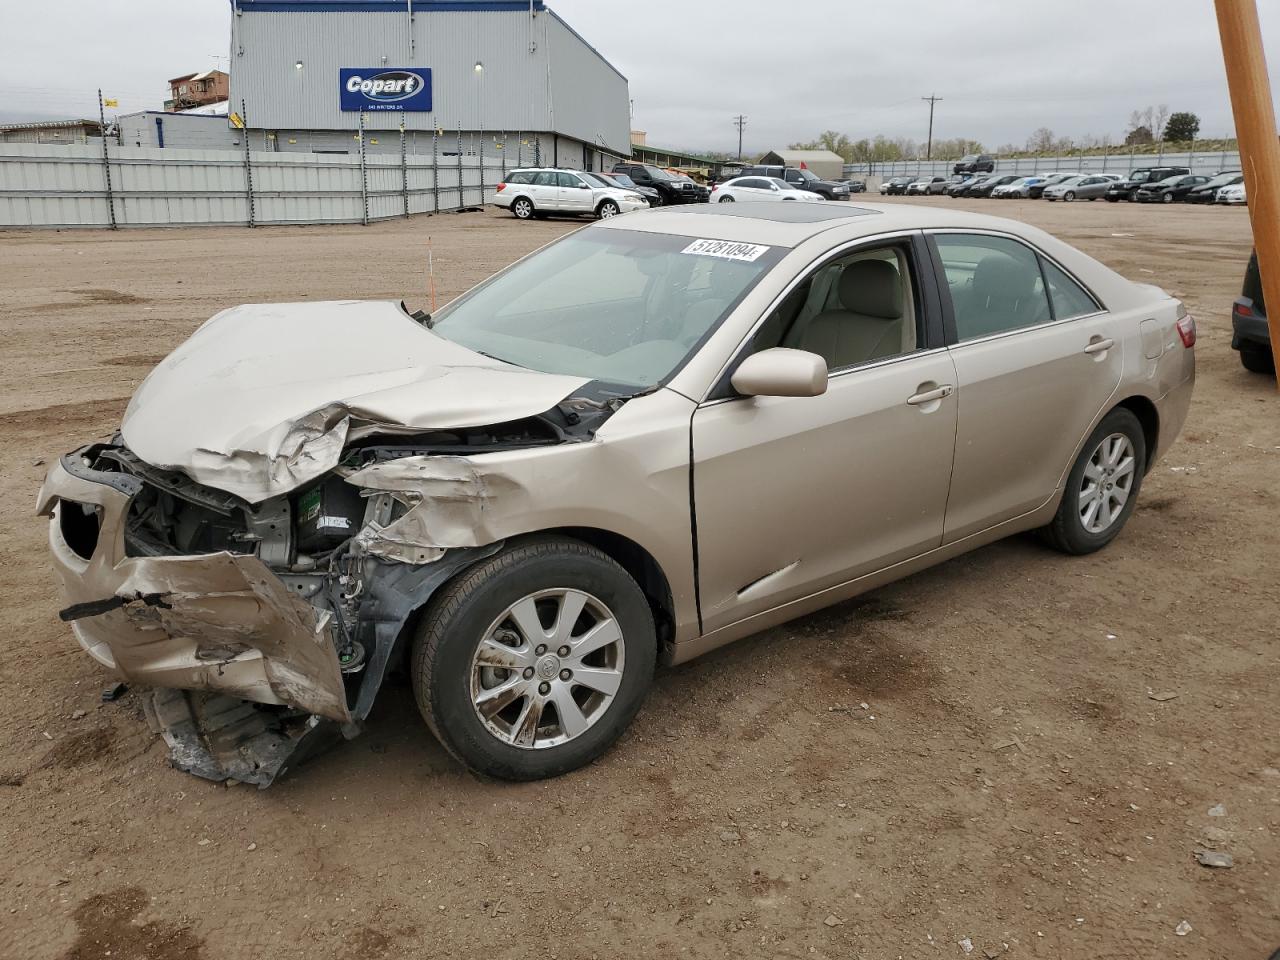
[
  {"x": 511, "y": 609},
  {"x": 1102, "y": 486},
  {"x": 725, "y": 199},
  {"x": 1257, "y": 359},
  {"x": 522, "y": 208}
]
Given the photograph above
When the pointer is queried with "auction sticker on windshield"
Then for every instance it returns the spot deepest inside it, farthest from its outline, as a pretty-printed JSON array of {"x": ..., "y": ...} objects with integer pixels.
[{"x": 726, "y": 250}]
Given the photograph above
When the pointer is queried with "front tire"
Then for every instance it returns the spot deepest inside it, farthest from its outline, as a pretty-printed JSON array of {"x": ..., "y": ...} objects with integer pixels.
[
  {"x": 522, "y": 208},
  {"x": 607, "y": 209},
  {"x": 1102, "y": 487},
  {"x": 1257, "y": 359},
  {"x": 533, "y": 662},
  {"x": 1069, "y": 196},
  {"x": 1167, "y": 198}
]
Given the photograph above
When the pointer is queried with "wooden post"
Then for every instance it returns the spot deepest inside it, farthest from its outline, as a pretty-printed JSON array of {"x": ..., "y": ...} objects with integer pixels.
[{"x": 1259, "y": 147}]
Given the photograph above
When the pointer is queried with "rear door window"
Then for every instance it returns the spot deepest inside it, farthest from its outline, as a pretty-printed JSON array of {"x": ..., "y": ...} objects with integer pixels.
[
  {"x": 1069, "y": 299},
  {"x": 995, "y": 283}
]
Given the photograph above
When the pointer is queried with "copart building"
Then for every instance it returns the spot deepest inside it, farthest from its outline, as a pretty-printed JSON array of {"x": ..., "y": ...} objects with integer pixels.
[{"x": 470, "y": 76}]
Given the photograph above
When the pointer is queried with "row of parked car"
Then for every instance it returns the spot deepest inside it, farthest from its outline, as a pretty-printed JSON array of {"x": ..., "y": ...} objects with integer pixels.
[
  {"x": 538, "y": 192},
  {"x": 1143, "y": 185}
]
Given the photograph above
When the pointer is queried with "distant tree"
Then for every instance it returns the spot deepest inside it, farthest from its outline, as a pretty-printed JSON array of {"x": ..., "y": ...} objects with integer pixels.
[
  {"x": 1161, "y": 115},
  {"x": 1138, "y": 136},
  {"x": 1042, "y": 141},
  {"x": 1182, "y": 126}
]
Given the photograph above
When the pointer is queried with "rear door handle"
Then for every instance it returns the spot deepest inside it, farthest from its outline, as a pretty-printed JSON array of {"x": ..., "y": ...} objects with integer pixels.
[
  {"x": 928, "y": 396},
  {"x": 1097, "y": 346}
]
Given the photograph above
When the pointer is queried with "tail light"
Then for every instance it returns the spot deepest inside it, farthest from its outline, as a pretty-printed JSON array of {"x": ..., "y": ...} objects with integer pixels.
[
  {"x": 715, "y": 187},
  {"x": 1187, "y": 330},
  {"x": 499, "y": 188},
  {"x": 1241, "y": 309}
]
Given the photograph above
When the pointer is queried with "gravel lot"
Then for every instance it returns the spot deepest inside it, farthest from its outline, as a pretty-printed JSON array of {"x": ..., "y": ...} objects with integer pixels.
[{"x": 1015, "y": 751}]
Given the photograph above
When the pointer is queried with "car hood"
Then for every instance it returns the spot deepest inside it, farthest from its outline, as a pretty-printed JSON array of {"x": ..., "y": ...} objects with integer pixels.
[{"x": 263, "y": 397}]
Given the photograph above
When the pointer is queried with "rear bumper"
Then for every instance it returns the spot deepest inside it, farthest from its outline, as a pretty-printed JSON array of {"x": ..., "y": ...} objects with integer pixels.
[
  {"x": 220, "y": 622},
  {"x": 1251, "y": 328}
]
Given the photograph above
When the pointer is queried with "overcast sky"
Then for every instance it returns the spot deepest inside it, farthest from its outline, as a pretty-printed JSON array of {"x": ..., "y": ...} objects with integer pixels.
[{"x": 794, "y": 69}]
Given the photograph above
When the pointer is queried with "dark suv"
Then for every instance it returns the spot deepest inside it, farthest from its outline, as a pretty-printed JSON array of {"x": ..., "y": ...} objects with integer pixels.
[
  {"x": 1249, "y": 333},
  {"x": 801, "y": 179},
  {"x": 671, "y": 189},
  {"x": 975, "y": 163},
  {"x": 1127, "y": 189}
]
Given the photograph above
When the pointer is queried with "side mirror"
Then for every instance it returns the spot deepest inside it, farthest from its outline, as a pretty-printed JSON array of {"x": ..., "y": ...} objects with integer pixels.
[{"x": 781, "y": 372}]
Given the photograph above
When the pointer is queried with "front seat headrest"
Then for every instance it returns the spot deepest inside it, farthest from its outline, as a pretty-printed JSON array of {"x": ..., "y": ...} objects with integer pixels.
[{"x": 872, "y": 288}]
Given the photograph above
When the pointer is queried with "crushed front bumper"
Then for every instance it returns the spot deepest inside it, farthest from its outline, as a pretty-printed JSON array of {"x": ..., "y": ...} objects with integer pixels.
[
  {"x": 211, "y": 631},
  {"x": 221, "y": 622}
]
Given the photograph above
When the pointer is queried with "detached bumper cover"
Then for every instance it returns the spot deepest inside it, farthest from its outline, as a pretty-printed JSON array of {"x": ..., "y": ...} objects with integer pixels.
[{"x": 218, "y": 622}]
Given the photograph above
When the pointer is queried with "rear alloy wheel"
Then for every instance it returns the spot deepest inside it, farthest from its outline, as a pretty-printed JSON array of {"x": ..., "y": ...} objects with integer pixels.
[
  {"x": 608, "y": 209},
  {"x": 522, "y": 207},
  {"x": 533, "y": 662},
  {"x": 725, "y": 199},
  {"x": 1069, "y": 196},
  {"x": 1257, "y": 359},
  {"x": 1102, "y": 488}
]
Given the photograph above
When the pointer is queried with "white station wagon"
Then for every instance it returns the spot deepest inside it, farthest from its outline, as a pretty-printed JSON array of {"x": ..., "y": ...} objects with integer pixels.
[{"x": 538, "y": 192}]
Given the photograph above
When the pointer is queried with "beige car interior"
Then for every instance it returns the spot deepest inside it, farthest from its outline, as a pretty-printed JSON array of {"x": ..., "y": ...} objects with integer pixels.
[{"x": 850, "y": 311}]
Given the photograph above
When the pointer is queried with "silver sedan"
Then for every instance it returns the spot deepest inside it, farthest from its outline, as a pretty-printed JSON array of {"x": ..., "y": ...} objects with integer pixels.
[{"x": 1084, "y": 187}]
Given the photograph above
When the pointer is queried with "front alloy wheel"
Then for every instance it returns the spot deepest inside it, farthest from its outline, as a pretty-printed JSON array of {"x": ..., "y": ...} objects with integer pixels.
[
  {"x": 1069, "y": 196},
  {"x": 608, "y": 209},
  {"x": 547, "y": 668},
  {"x": 1167, "y": 198},
  {"x": 532, "y": 662}
]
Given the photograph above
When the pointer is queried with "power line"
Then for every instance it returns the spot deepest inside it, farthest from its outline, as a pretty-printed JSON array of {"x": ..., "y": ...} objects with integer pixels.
[
  {"x": 931, "y": 99},
  {"x": 740, "y": 121}
]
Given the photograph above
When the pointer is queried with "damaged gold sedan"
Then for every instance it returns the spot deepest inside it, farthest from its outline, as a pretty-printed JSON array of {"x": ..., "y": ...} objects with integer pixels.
[{"x": 650, "y": 438}]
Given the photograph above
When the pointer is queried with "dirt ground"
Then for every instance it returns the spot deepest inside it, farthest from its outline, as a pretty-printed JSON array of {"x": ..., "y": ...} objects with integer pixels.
[{"x": 1015, "y": 750}]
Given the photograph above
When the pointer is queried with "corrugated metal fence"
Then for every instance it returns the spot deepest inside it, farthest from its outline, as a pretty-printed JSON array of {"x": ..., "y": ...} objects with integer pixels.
[
  {"x": 67, "y": 186},
  {"x": 1203, "y": 163}
]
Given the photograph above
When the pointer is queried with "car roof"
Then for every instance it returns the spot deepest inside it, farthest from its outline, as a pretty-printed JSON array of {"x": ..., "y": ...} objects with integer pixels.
[{"x": 790, "y": 224}]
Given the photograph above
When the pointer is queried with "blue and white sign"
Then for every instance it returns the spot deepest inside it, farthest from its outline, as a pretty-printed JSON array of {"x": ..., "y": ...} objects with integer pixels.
[{"x": 385, "y": 88}]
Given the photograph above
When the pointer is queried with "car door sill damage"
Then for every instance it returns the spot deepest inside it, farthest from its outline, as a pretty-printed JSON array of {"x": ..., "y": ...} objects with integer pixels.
[{"x": 757, "y": 586}]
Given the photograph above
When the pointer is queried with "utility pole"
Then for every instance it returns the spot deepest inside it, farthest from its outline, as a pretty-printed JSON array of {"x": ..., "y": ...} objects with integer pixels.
[
  {"x": 931, "y": 100},
  {"x": 1255, "y": 117},
  {"x": 740, "y": 121}
]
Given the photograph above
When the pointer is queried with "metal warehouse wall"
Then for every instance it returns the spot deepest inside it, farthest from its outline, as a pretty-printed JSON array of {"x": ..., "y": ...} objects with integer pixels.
[
  {"x": 42, "y": 185},
  {"x": 534, "y": 67}
]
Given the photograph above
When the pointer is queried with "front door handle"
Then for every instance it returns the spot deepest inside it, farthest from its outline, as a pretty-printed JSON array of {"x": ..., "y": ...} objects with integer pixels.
[
  {"x": 929, "y": 396},
  {"x": 1098, "y": 346}
]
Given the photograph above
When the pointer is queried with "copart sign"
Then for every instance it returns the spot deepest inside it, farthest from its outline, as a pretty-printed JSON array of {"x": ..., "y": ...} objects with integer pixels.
[{"x": 385, "y": 88}]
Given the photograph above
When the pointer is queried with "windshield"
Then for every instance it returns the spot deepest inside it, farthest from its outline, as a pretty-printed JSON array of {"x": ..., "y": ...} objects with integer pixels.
[
  {"x": 656, "y": 174},
  {"x": 1222, "y": 179},
  {"x": 622, "y": 180},
  {"x": 1139, "y": 174},
  {"x": 807, "y": 175},
  {"x": 779, "y": 182},
  {"x": 615, "y": 305},
  {"x": 597, "y": 179}
]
